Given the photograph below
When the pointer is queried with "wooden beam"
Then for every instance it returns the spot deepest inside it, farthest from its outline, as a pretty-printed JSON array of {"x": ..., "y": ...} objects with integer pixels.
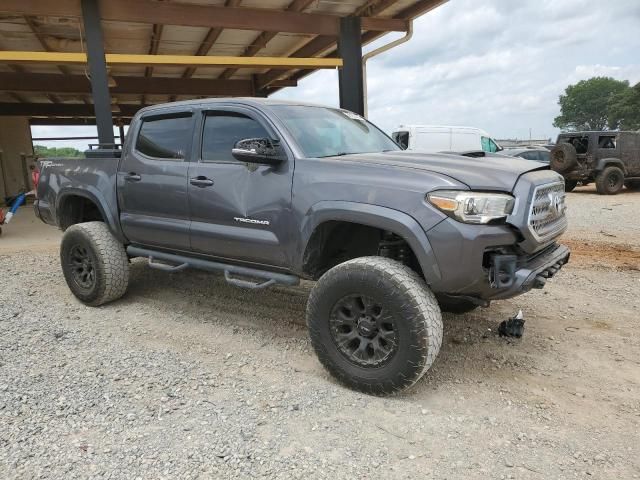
[
  {"x": 79, "y": 84},
  {"x": 59, "y": 58},
  {"x": 209, "y": 40},
  {"x": 188, "y": 14},
  {"x": 328, "y": 45},
  {"x": 264, "y": 38},
  {"x": 61, "y": 110},
  {"x": 63, "y": 121},
  {"x": 34, "y": 29},
  {"x": 322, "y": 44}
]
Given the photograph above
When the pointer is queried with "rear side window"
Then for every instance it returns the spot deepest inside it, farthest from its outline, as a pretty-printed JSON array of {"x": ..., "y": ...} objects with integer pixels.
[
  {"x": 222, "y": 130},
  {"x": 607, "y": 141},
  {"x": 402, "y": 139},
  {"x": 166, "y": 137}
]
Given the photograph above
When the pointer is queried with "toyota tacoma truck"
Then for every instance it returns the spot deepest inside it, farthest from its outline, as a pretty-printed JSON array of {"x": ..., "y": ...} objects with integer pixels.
[{"x": 269, "y": 192}]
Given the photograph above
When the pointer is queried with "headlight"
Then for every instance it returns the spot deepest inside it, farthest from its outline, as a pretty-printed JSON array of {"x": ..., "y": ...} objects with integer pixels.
[{"x": 473, "y": 207}]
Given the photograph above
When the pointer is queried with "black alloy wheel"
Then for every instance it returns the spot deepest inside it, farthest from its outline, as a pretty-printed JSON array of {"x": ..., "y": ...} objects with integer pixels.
[
  {"x": 82, "y": 267},
  {"x": 362, "y": 331}
]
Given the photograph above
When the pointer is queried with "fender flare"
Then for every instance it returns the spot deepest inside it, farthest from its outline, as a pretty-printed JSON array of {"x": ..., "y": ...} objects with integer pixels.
[
  {"x": 92, "y": 194},
  {"x": 385, "y": 218},
  {"x": 605, "y": 162}
]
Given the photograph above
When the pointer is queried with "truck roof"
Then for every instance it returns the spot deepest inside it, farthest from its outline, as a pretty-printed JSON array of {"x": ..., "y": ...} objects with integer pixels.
[{"x": 255, "y": 101}]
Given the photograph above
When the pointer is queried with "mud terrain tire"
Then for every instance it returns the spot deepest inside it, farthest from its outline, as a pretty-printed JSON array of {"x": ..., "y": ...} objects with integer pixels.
[
  {"x": 374, "y": 324},
  {"x": 94, "y": 263},
  {"x": 564, "y": 158},
  {"x": 610, "y": 181}
]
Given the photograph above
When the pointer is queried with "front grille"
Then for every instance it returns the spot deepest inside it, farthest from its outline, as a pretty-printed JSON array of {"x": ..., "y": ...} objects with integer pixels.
[{"x": 547, "y": 215}]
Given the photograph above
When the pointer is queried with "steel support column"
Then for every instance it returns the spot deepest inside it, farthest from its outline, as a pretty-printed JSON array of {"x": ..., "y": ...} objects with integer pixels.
[
  {"x": 98, "y": 71},
  {"x": 350, "y": 76}
]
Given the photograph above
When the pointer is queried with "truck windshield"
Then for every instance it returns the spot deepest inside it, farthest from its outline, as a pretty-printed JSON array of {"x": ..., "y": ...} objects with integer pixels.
[{"x": 327, "y": 132}]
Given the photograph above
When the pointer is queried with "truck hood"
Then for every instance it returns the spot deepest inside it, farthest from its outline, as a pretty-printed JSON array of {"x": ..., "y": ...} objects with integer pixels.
[{"x": 498, "y": 173}]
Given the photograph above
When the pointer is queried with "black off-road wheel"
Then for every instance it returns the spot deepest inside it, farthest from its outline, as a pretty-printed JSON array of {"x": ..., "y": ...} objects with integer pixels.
[
  {"x": 374, "y": 325},
  {"x": 563, "y": 158},
  {"x": 610, "y": 181},
  {"x": 569, "y": 185},
  {"x": 94, "y": 263}
]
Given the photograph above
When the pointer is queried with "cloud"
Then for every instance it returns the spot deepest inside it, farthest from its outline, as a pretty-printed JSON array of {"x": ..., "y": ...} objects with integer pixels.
[{"x": 497, "y": 64}]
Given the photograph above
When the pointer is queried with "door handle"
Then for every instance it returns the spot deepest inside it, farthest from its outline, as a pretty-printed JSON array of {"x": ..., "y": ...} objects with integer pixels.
[
  {"x": 201, "y": 181},
  {"x": 132, "y": 177}
]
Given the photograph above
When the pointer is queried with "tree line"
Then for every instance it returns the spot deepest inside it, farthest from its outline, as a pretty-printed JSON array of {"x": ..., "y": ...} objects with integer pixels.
[
  {"x": 46, "y": 152},
  {"x": 599, "y": 103}
]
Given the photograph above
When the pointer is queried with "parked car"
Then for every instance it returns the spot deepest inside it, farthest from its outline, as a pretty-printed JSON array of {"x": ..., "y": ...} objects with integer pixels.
[
  {"x": 538, "y": 154},
  {"x": 611, "y": 159},
  {"x": 434, "y": 138},
  {"x": 390, "y": 237}
]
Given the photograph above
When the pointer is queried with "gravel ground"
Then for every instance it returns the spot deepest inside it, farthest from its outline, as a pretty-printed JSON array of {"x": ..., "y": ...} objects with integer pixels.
[{"x": 186, "y": 377}]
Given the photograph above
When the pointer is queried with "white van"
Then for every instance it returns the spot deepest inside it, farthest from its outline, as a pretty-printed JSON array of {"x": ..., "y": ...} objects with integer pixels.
[{"x": 436, "y": 138}]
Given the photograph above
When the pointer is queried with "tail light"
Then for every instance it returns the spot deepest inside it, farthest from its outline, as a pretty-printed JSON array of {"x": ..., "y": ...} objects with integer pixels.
[{"x": 35, "y": 178}]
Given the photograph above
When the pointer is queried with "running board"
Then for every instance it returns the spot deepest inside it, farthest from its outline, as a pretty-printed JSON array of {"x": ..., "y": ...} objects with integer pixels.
[{"x": 181, "y": 262}]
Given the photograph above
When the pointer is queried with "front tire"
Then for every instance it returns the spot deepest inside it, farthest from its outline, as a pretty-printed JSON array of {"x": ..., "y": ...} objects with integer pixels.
[
  {"x": 94, "y": 263},
  {"x": 610, "y": 181},
  {"x": 374, "y": 324}
]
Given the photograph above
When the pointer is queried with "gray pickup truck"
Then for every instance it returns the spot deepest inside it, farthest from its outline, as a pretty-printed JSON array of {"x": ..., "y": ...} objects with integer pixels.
[{"x": 269, "y": 192}]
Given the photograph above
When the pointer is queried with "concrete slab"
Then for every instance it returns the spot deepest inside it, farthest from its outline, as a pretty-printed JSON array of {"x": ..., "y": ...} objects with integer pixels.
[{"x": 27, "y": 232}]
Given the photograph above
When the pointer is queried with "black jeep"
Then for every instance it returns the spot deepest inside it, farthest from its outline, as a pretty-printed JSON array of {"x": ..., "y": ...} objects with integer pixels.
[{"x": 611, "y": 159}]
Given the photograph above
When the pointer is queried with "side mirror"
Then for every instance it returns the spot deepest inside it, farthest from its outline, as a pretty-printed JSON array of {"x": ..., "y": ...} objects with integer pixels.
[{"x": 258, "y": 150}]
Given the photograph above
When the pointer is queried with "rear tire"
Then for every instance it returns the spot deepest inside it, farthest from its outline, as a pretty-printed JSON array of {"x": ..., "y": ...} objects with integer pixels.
[
  {"x": 94, "y": 263},
  {"x": 374, "y": 324},
  {"x": 610, "y": 181},
  {"x": 569, "y": 185}
]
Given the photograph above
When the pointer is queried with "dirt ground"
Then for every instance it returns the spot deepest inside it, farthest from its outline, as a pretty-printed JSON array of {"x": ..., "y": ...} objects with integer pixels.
[{"x": 187, "y": 377}]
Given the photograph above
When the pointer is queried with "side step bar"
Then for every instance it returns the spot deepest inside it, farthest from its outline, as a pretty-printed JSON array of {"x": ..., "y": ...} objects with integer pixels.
[{"x": 181, "y": 262}]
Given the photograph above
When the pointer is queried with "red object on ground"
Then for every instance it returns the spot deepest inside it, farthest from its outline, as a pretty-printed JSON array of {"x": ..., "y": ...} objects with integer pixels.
[{"x": 1, "y": 216}]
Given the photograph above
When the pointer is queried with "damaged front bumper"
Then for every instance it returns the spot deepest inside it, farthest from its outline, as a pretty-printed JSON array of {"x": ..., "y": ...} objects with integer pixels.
[
  {"x": 484, "y": 263},
  {"x": 510, "y": 275}
]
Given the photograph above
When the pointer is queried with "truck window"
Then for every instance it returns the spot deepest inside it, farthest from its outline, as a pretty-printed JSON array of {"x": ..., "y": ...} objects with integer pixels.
[
  {"x": 580, "y": 143},
  {"x": 488, "y": 145},
  {"x": 401, "y": 138},
  {"x": 165, "y": 138},
  {"x": 327, "y": 132},
  {"x": 221, "y": 132},
  {"x": 606, "y": 141}
]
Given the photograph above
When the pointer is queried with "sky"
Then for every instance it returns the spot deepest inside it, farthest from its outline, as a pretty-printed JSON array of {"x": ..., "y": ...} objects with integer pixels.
[{"x": 499, "y": 65}]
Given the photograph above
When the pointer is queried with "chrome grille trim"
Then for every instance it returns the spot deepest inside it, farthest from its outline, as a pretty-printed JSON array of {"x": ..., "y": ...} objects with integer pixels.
[{"x": 547, "y": 213}]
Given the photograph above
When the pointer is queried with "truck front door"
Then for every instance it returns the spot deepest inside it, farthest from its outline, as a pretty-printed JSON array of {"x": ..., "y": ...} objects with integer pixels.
[
  {"x": 238, "y": 210},
  {"x": 152, "y": 181}
]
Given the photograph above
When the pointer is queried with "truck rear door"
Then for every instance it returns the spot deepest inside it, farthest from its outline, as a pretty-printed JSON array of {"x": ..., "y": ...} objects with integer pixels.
[
  {"x": 239, "y": 211},
  {"x": 152, "y": 180}
]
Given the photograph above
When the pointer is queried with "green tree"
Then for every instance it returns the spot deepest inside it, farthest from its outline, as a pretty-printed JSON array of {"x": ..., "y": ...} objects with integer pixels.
[
  {"x": 624, "y": 108},
  {"x": 45, "y": 152},
  {"x": 585, "y": 105}
]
